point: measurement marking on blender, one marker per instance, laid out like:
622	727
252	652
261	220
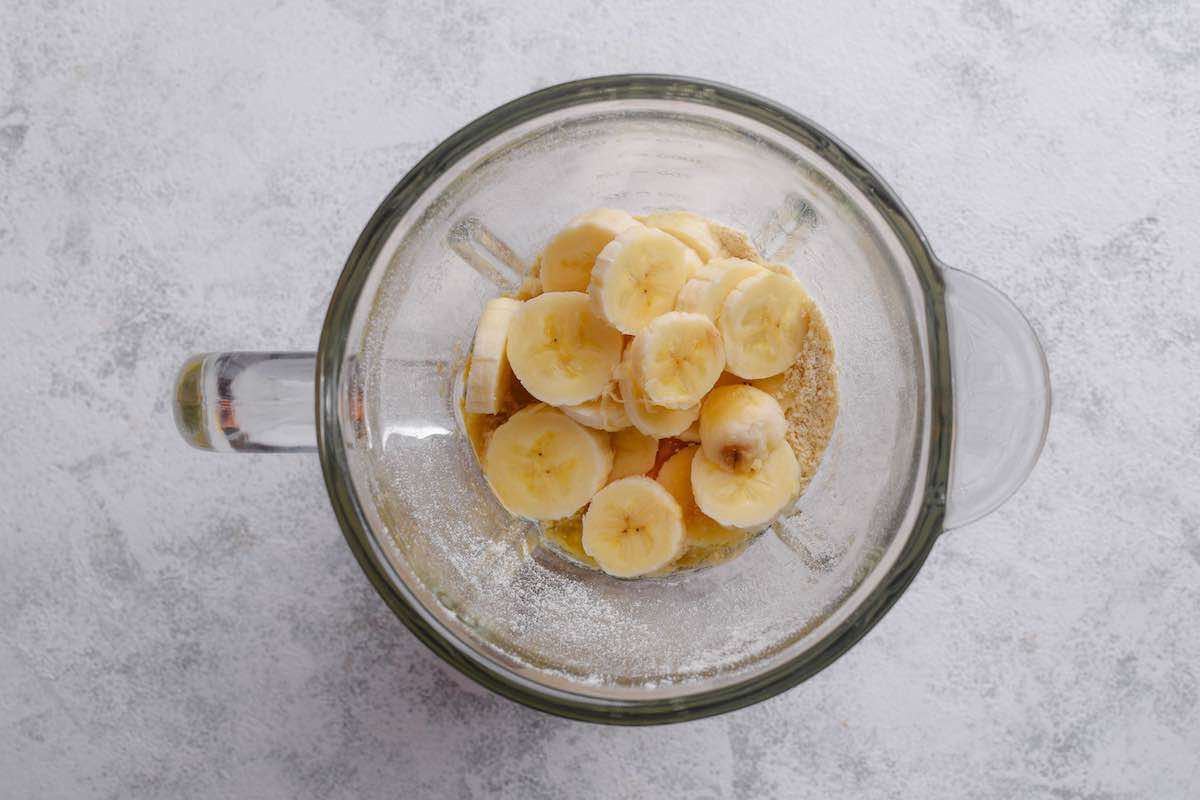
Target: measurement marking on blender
787	228
474	243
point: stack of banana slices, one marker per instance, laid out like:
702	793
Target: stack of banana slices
639	351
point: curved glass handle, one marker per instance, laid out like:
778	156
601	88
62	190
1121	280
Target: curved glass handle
248	402
1001	397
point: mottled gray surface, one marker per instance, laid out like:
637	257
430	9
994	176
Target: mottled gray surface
177	624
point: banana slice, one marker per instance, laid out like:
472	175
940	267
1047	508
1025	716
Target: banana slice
705	292
692	434
638	275
734	243
740	426
652	420
632	527
676	477
490	377
748	499
677	359
633	454
772	384
567	260
691	229
560	350
604	413
763	322
543	465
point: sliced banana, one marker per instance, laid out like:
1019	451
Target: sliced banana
605	413
677	359
705	292
740	426
632	527
748	499
734	243
772	384
703	531
692	434
691	229
543	465
676	476
652	420
763	322
638	276
490	377
561	350
567	260
633	453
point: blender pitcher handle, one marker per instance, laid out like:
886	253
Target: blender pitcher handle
248	402
1001	397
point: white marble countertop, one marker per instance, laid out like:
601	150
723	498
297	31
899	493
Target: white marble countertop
188	177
